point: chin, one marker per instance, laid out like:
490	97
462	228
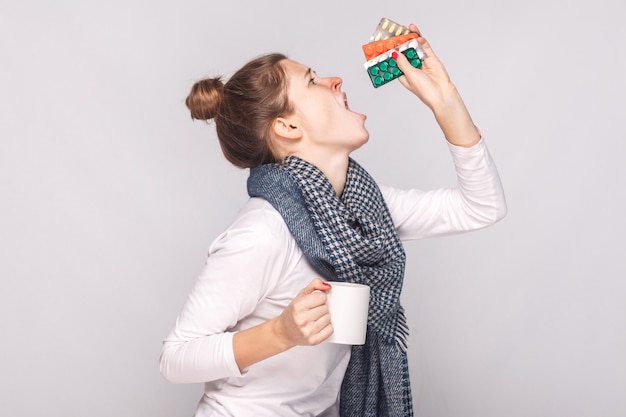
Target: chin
366	136
362	140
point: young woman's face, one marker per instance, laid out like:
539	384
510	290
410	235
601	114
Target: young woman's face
322	111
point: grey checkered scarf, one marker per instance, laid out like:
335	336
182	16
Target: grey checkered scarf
350	238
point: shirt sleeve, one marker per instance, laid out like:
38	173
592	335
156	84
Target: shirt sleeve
476	202
243	264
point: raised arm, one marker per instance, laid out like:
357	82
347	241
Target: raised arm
478	199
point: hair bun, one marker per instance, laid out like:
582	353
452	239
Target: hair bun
205	98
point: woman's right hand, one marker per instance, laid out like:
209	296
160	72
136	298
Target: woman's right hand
306	321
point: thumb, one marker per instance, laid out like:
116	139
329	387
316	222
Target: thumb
403	65
409	62
316	285
401	60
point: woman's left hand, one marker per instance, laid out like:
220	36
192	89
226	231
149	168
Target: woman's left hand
431	82
434	88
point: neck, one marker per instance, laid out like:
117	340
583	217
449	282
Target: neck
335	168
337	175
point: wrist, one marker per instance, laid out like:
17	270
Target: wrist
454	119
449	101
280	334
259	342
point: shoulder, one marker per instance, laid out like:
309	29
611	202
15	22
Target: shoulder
257	226
260	216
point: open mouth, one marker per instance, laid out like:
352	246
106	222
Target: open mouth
347	107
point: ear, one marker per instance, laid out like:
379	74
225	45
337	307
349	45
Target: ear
286	129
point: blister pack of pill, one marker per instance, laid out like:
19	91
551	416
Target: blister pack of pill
388	37
387	29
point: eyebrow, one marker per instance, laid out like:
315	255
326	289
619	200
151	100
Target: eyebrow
308	72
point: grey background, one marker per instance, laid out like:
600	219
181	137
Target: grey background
110	195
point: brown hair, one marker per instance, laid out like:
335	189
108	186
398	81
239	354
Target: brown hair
244	108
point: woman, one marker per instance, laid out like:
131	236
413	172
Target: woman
254	325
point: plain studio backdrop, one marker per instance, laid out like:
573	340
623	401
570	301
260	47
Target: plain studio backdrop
110	195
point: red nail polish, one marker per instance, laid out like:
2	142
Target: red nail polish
326	284
394	55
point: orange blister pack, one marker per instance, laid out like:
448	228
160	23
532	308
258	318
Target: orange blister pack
373	49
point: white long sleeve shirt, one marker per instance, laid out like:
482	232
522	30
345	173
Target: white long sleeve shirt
255	268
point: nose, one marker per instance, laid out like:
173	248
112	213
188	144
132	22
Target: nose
334	83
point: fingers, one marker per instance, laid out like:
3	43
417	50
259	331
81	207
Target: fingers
310	303
410	73
421	40
313	295
319	329
306	319
414	28
402	61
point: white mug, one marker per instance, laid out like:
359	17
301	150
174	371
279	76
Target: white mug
348	305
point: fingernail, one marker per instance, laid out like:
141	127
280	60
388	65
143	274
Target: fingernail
394	55
326	284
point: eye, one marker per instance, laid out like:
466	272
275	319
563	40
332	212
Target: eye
312	81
